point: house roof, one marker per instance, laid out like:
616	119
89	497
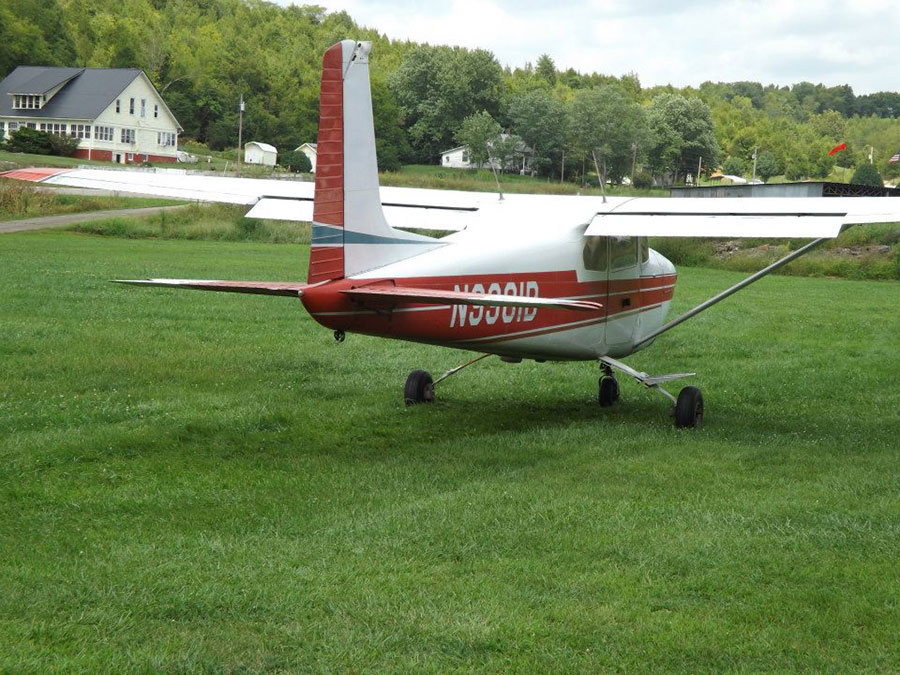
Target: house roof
262	146
314	146
86	94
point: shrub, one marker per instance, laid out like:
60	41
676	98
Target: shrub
296	161
31	141
734	166
867	174
642	180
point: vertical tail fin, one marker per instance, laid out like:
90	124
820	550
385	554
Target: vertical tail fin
350	234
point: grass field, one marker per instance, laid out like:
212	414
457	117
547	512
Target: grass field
206	483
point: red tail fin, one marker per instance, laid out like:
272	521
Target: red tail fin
326	258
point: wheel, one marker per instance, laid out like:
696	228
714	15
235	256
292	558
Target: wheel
419	388
609	391
689	409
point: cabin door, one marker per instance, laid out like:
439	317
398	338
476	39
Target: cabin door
623	296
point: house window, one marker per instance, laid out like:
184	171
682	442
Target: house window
164	138
127	136
118	105
2	129
31	125
13	126
131	107
103	133
145	157
155	110
143	107
81	130
130	156
465	156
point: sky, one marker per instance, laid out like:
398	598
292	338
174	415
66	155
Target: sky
855	42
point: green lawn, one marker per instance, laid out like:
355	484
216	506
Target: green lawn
207	483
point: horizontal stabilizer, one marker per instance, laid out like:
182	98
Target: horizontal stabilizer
289	288
429	296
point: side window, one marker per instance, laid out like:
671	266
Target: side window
645	250
623	252
595	253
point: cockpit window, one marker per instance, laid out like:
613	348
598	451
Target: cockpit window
595	254
645	250
623	252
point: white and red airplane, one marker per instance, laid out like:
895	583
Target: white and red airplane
521	277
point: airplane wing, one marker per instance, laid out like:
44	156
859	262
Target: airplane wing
428	296
288	288
762	218
272	199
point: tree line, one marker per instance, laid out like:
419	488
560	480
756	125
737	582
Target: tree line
204	54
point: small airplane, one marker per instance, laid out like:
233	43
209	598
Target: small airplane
521	277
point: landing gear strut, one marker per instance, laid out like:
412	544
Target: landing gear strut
420	385
687	409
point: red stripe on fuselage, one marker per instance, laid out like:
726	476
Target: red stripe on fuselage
463	324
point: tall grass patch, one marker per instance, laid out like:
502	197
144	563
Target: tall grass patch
212	222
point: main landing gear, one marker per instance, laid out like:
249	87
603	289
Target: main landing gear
687	409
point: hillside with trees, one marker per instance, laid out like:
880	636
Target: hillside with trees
203	54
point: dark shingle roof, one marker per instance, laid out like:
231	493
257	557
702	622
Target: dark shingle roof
88	92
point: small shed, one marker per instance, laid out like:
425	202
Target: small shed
311	151
260	153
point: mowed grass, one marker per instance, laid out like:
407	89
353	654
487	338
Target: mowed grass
197	482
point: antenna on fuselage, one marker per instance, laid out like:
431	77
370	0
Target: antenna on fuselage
496	180
599	177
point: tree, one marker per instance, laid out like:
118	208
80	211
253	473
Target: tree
504	149
436	88
536	117
766	167
867	174
546	69
605	124
477	133
683	133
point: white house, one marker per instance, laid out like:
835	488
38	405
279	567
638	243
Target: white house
260	153
116	113
458	158
311	151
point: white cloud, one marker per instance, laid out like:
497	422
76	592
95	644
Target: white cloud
780	41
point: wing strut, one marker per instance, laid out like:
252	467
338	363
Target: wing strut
731	291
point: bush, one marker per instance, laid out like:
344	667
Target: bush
64	146
37	142
734	166
31	141
296	161
642	180
867	174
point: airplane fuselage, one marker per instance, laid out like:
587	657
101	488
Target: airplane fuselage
633	283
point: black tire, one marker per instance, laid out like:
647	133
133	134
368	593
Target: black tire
419	388
609	391
689	409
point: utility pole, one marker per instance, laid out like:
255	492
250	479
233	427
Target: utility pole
634	147
699	167
755	148
240	134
